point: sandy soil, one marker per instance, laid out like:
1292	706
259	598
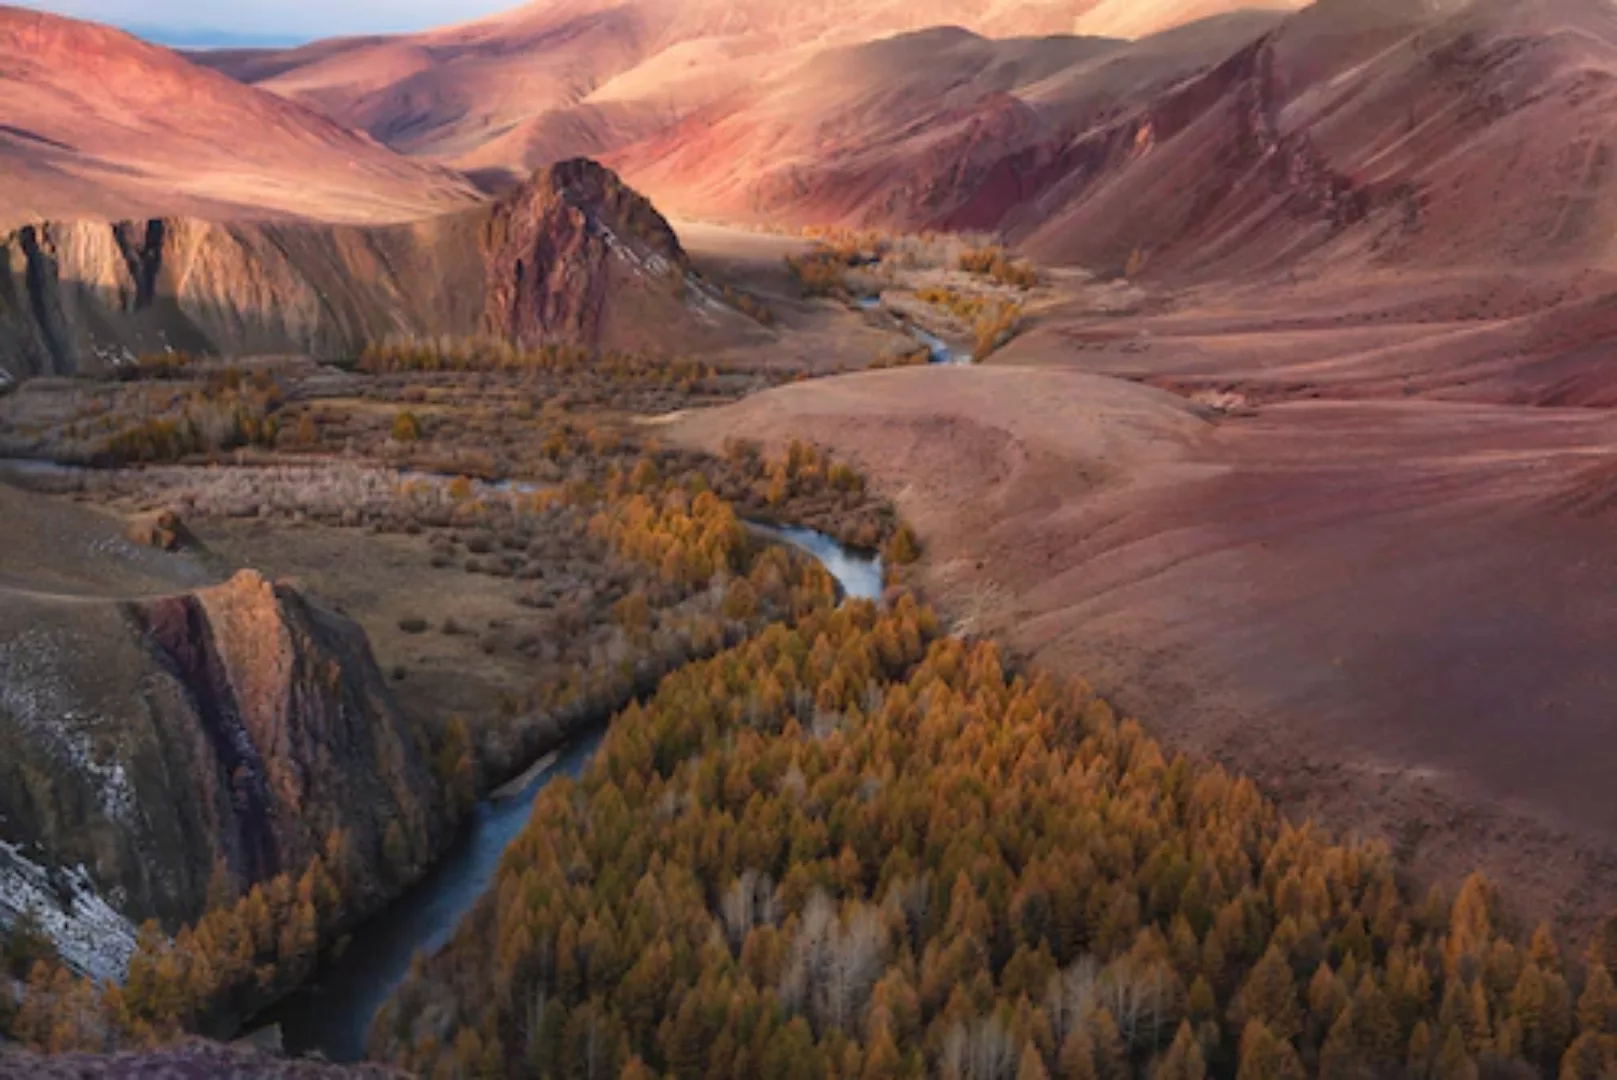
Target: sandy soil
1390	613
1498	336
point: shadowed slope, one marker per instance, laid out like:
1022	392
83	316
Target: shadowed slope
149	735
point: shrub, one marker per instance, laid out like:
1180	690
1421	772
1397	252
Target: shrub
230	410
995	327
914	357
750	306
995	263
163	365
406	428
904	548
818	273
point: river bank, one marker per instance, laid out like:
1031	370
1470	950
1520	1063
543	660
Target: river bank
330	1015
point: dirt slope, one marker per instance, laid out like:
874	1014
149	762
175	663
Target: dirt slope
1360	135
1350	135
1133	19
98	123
1390	613
913	131
1506	335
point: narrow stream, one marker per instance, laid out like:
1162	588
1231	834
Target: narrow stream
331	1014
858	576
938	350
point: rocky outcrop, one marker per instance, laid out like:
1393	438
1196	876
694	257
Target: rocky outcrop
550	247
573	256
149	741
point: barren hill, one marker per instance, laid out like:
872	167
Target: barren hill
1354	135
1358	135
940	127
563	77
1343	135
98	123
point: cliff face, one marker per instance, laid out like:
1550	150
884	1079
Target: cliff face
146	740
555	249
572	256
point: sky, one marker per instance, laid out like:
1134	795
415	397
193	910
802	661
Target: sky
289	19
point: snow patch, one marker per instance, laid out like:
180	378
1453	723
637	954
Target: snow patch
92	937
702	299
35	695
651	264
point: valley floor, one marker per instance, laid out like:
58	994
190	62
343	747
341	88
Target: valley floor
1349	541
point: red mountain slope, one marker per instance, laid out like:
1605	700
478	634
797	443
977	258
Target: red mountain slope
97	123
562	77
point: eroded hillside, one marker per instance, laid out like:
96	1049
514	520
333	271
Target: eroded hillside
572	257
556	78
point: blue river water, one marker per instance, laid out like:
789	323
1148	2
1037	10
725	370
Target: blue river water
331	1014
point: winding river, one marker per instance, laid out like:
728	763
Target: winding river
938	350
331	1013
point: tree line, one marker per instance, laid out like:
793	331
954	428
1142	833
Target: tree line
855	848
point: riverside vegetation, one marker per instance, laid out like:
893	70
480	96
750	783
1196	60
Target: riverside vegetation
835	841
979	290
628	561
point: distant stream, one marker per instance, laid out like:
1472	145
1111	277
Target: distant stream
938	350
331	1013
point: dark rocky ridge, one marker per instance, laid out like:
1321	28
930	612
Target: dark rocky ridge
147	739
573	256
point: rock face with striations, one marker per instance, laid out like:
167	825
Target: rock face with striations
557	249
148	740
573	256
